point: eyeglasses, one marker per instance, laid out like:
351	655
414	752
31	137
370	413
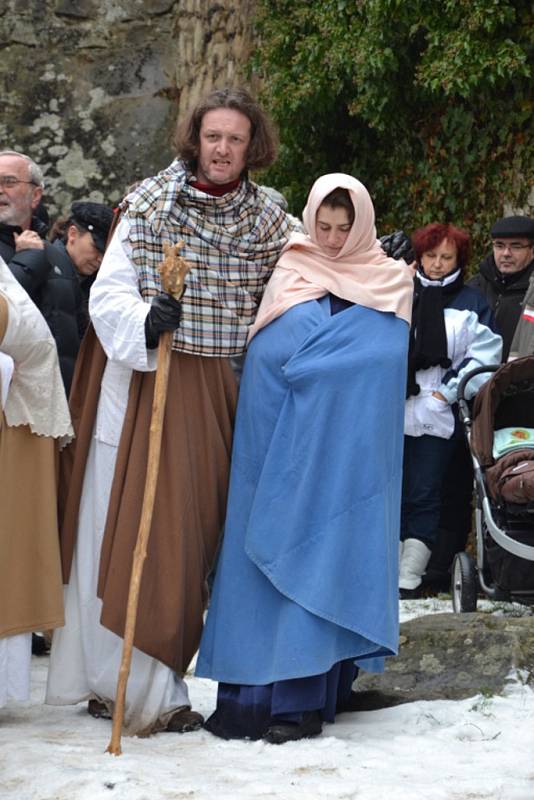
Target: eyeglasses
9	181
514	247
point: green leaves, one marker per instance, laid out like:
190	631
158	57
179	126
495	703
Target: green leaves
429	104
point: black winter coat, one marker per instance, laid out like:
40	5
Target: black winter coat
504	294
61	294
7	239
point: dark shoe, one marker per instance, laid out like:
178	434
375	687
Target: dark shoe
366	700
436	581
40	646
98	710
411	594
282	732
184	721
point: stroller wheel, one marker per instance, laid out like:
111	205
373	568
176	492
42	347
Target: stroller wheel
464	584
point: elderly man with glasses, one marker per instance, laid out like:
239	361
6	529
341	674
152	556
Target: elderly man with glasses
504	276
22	227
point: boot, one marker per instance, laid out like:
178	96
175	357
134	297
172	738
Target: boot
282	732
185	720
415	557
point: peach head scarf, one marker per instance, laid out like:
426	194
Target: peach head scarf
360	272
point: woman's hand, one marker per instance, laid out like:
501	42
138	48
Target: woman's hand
439	396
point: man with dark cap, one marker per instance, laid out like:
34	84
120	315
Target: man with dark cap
59	275
504	275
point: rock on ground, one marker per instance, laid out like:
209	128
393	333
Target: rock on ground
452	656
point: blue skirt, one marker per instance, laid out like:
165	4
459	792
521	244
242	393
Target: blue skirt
246	712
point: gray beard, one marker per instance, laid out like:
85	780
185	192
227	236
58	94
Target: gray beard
8	216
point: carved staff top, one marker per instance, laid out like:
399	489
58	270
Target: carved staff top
173	269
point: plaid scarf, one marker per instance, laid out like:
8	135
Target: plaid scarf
232	242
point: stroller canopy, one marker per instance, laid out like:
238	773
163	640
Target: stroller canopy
507	399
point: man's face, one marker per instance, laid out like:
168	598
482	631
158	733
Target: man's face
17	202
224	140
512	254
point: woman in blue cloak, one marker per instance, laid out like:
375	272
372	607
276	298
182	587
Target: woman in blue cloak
306	589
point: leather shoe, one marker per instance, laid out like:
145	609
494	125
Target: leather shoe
98	709
184	721
282	732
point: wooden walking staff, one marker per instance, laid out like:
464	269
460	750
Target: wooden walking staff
173	270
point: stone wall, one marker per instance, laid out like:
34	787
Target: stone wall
92	89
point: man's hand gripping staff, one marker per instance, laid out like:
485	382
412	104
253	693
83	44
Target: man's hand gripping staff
165	309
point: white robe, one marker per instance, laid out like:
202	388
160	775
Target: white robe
15	651
85	657
15	661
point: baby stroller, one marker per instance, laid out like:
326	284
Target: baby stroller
500	434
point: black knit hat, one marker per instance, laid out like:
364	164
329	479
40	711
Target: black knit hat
509	227
95	218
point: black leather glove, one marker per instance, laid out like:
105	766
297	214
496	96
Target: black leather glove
397	245
164	315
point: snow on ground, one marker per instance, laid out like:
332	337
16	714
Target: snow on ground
476	749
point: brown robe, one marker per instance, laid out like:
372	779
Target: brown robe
190	498
31	594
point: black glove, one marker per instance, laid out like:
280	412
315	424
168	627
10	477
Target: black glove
164	315
397	245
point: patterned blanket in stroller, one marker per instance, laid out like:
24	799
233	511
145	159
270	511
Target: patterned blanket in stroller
511	479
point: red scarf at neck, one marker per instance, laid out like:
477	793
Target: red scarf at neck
216	191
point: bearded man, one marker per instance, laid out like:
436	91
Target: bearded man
232	235
22	217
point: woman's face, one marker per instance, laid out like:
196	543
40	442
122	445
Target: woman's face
81	248
332	226
440	261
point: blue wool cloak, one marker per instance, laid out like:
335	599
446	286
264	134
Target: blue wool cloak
308	573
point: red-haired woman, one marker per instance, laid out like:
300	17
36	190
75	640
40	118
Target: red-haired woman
452	332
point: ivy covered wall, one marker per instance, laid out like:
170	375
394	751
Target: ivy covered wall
429	104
